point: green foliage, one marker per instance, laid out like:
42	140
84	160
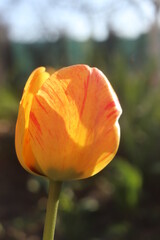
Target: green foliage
140	122
127	180
8	103
118	231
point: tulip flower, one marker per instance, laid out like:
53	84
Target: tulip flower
67	126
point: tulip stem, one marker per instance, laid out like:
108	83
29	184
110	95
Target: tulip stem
52	208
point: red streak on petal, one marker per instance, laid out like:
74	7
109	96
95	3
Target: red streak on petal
31	134
51	93
36	138
35	121
39	142
85	95
110	105
41	106
114	112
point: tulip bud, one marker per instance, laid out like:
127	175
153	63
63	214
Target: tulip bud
67	126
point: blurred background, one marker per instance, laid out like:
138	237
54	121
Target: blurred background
122	38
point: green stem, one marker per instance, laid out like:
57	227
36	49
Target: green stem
52	208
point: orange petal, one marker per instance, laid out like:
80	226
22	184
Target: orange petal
73	125
22	141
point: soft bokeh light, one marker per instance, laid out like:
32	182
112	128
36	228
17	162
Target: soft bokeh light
31	21
130	22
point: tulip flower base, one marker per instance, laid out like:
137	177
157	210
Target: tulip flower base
52	208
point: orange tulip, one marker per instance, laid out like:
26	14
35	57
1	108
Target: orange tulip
67	126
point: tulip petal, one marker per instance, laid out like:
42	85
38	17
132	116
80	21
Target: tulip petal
73	123
22	141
